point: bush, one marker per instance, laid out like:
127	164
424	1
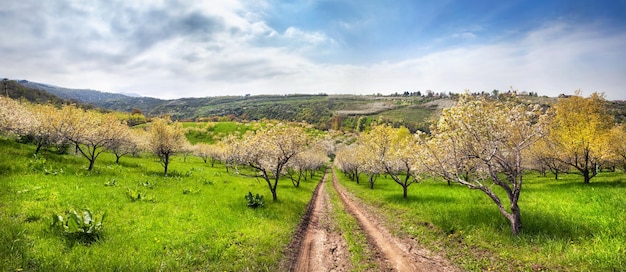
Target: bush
84	228
254	201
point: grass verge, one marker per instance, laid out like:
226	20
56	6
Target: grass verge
567	225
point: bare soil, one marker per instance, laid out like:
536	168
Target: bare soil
318	247
367	109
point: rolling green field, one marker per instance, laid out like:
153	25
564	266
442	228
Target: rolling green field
212	132
196	218
567	225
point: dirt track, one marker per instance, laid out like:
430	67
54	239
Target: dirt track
317	246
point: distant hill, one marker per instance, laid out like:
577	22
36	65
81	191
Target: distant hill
346	112
80	95
14	90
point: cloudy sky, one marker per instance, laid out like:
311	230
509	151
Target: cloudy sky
172	49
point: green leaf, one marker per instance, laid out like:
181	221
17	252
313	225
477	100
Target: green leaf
73	223
87	217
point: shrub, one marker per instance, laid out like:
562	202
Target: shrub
84	228
254	201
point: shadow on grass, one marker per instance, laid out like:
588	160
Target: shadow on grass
619	183
535	224
542	224
419	199
129	164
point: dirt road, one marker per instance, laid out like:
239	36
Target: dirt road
318	246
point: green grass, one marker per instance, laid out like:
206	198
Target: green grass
414	117
567	225
196	218
211	132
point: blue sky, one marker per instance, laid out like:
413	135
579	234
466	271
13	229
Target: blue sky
172	49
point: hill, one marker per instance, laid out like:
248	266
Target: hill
346	112
80	95
14	90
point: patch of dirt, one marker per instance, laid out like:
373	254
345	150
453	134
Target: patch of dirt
400	254
440	103
367	109
317	247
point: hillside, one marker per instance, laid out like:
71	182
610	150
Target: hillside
80	95
346	112
323	111
14	90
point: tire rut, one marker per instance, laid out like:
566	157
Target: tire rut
316	246
400	254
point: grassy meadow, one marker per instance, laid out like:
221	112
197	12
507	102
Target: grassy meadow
196	218
567	225
211	132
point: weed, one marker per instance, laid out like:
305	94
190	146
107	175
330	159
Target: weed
136	195
111	183
188	191
254	201
39	164
84	228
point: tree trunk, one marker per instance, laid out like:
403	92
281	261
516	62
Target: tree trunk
556	175
166	162
91	163
405	189
372	179
515	219
273	188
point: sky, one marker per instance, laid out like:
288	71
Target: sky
172	49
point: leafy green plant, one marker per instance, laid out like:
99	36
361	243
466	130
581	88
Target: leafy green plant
39	164
136	195
84	228
187	191
111	183
254	201
147	184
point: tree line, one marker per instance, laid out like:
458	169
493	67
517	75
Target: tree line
273	151
482	142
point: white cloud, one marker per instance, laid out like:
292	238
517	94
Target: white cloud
213	48
313	38
464	35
